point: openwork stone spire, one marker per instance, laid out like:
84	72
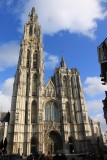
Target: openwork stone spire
63	64
33	17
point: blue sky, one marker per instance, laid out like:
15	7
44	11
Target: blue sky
72	28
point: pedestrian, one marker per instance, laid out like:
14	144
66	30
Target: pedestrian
57	157
31	157
48	156
36	155
42	157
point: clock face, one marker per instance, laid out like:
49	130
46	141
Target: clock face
32	39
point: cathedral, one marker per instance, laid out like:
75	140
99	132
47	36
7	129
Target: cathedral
51	117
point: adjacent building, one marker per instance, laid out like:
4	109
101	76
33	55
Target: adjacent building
4	121
104	136
105	106
102	57
51	117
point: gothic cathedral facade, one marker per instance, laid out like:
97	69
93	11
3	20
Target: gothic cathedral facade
49	117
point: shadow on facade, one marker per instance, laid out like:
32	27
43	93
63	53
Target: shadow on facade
91	147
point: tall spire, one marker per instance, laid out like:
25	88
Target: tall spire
33	17
28	90
63	64
33	9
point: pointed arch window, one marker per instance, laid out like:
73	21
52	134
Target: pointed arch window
52	112
72	86
65	85
20	56
84	117
74	81
26	113
30	31
28	56
78	87
27	84
34	85
75	86
34	112
36	31
75	116
67	108
35	60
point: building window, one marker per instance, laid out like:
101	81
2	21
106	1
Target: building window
34	85
35	60
28	55
34	112
65	86
30	31
52	112
36	31
84	117
67	109
75	86
27	84
26	113
17	116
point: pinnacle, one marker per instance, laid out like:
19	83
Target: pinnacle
32	17
33	9
63	64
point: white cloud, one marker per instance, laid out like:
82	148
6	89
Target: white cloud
5	94
5	102
7	86
100	118
94	106
95	111
93	89
9	54
93	86
50	60
72	15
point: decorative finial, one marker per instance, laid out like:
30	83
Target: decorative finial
33	9
63	64
32	17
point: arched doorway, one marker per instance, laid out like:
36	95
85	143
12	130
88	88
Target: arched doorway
54	142
71	144
34	144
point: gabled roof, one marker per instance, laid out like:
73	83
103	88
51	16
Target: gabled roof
49	82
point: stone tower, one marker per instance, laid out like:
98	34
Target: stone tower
27	90
49	117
